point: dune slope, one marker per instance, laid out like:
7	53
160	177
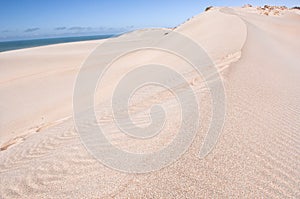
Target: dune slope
257	154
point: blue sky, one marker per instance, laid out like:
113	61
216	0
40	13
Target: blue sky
21	19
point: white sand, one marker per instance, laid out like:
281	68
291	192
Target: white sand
258	152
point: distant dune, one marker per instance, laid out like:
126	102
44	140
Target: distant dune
256	51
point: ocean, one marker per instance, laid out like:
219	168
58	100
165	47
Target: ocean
20	44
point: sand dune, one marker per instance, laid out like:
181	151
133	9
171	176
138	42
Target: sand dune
257	154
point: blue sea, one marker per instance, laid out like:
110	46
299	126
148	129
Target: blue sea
20	44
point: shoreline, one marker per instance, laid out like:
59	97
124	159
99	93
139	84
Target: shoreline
7	46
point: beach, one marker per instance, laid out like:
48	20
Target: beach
257	154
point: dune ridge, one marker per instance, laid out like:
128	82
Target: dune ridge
257	154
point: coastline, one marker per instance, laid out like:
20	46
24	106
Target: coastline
31	43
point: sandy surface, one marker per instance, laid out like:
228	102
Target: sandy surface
258	152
